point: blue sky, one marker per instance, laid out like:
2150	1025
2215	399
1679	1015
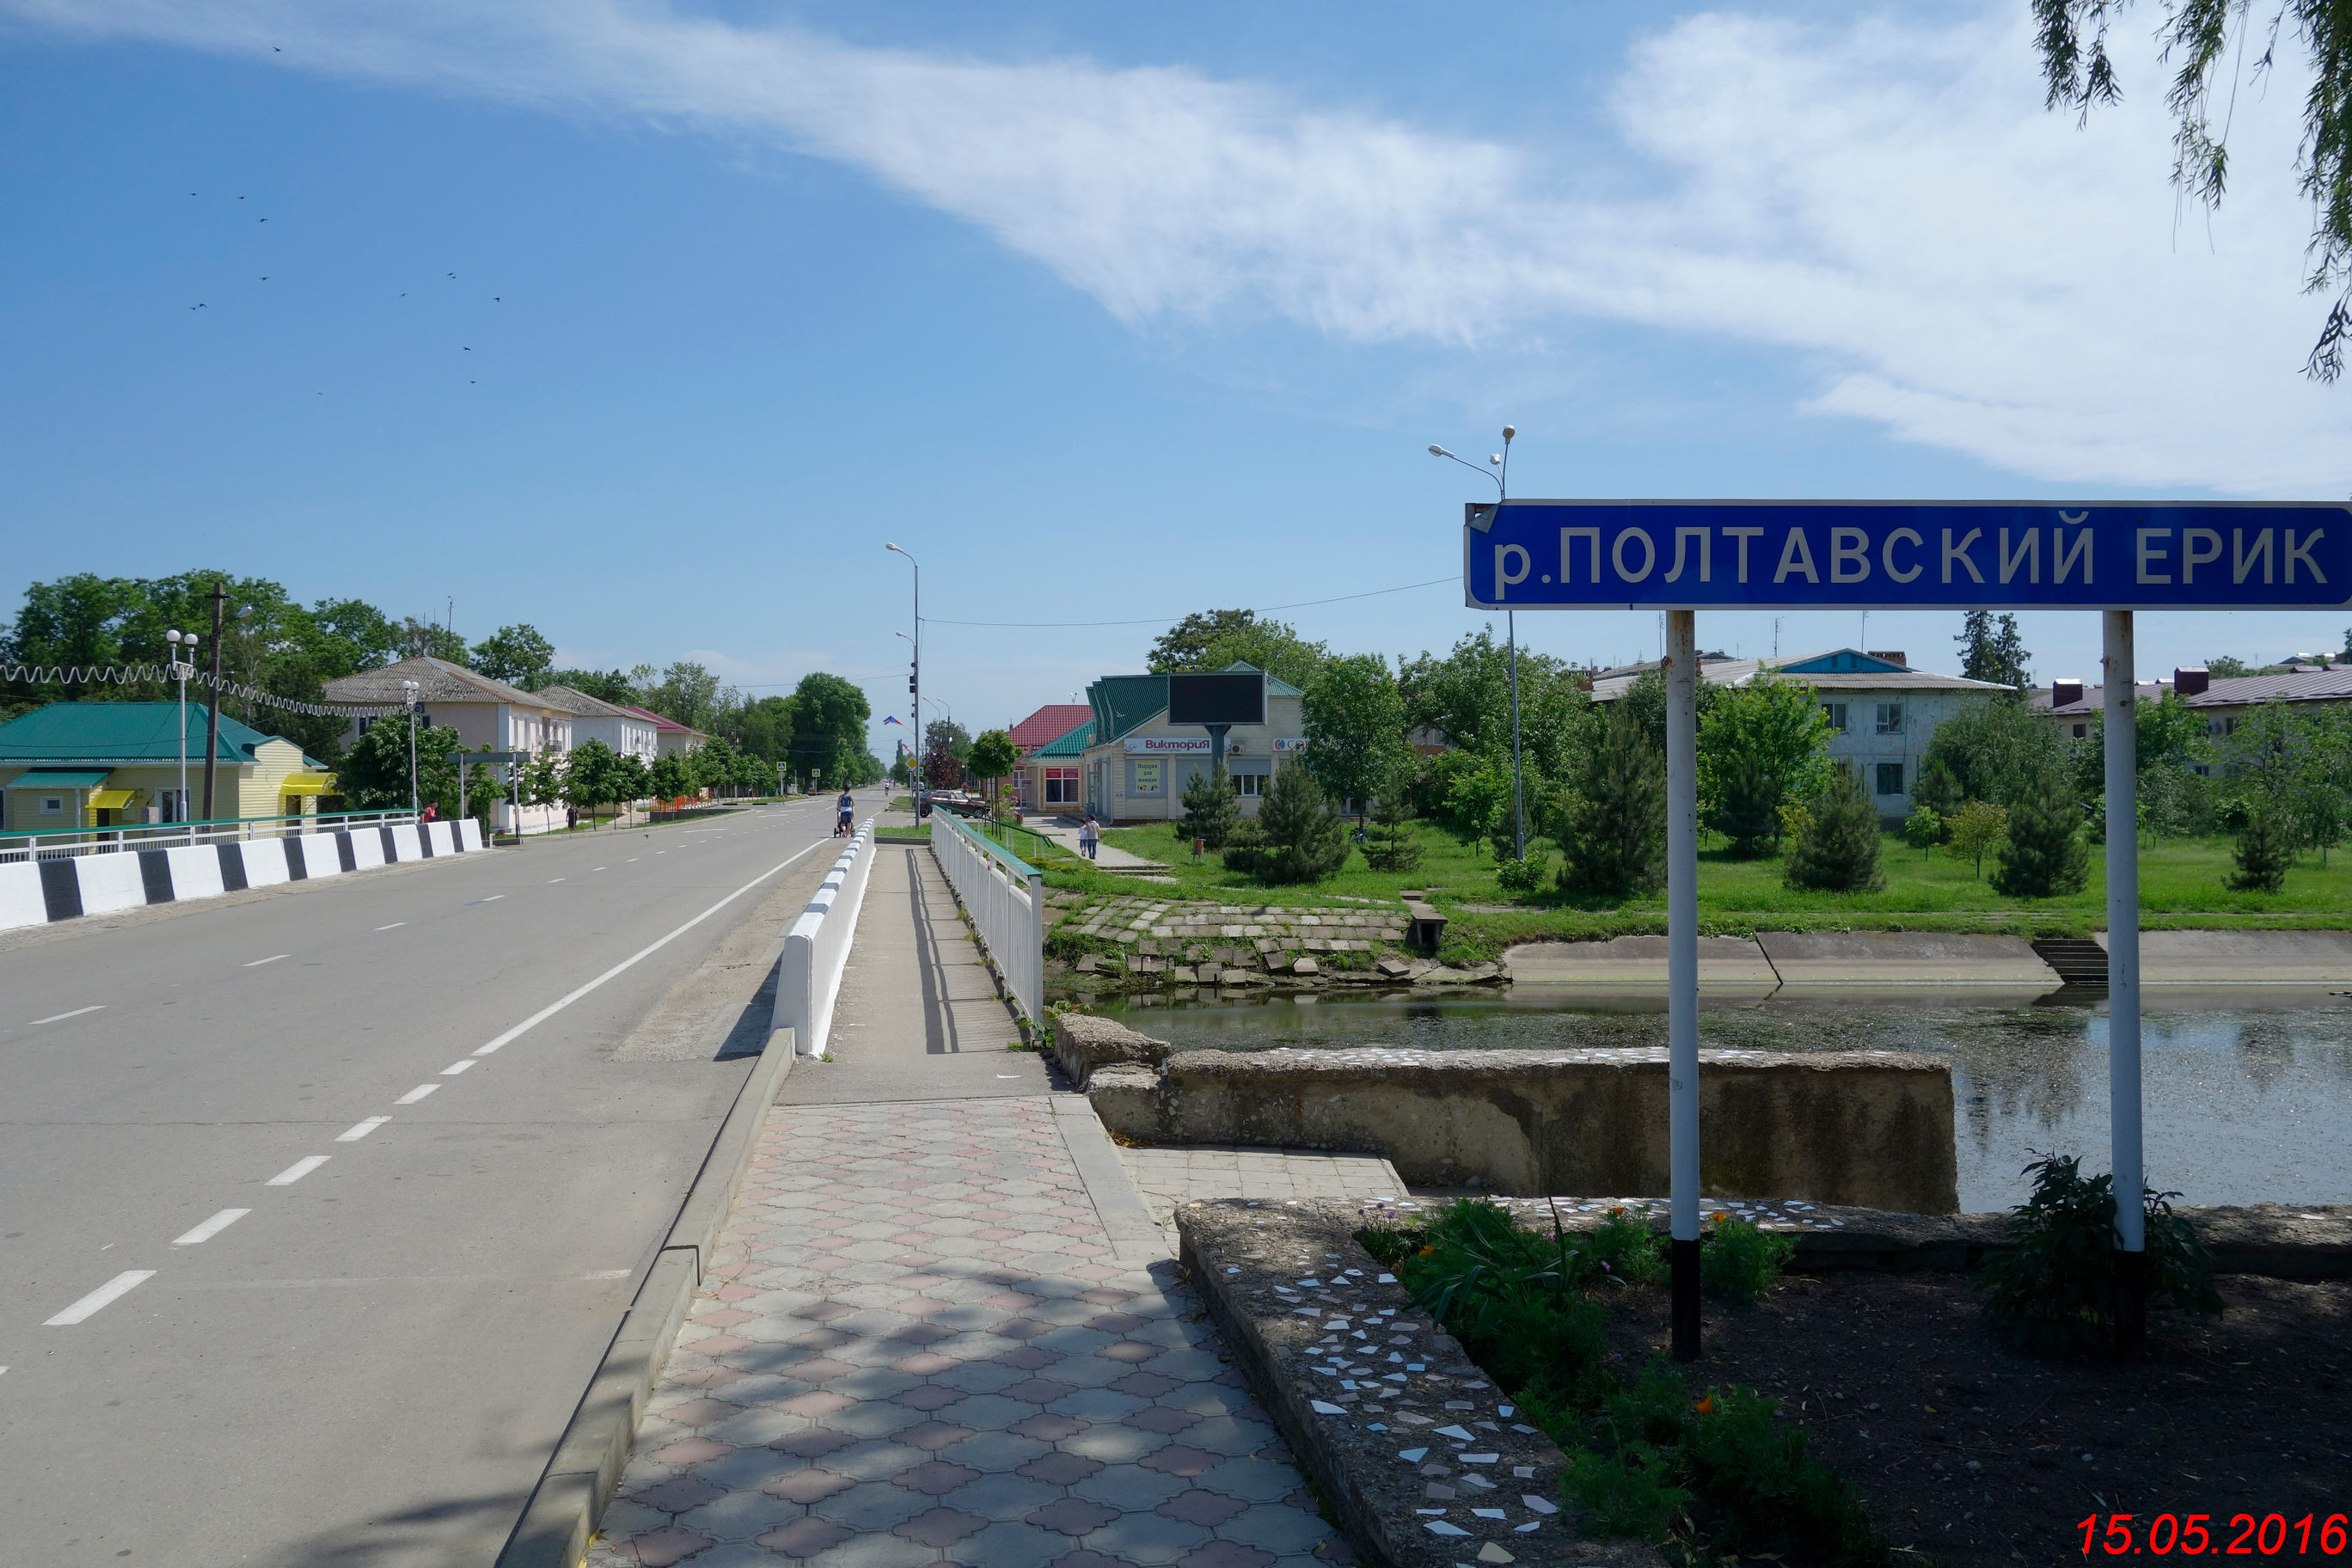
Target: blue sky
1105	314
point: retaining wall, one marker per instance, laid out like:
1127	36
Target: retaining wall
36	892
1871	1128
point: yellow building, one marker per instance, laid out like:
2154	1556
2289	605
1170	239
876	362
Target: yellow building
98	764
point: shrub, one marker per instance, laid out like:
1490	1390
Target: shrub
1838	851
1524	875
2044	853
2265	851
1748	815
1613	829
1775	1500
1210	811
2055	1293
1626	1249
1740	1260
1389	844
1628	1491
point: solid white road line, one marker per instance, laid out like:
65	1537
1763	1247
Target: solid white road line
414	1095
271	959
211	1228
114	1289
297	1171
61	1017
456	1067
354	1134
394	926
560	1003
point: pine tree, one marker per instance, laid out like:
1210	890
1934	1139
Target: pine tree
1838	850
1305	840
1749	811
1210	810
2043	854
2264	852
1613	828
1390	845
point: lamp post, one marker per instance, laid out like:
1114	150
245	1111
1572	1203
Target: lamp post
408	690
915	680
1501	463
181	668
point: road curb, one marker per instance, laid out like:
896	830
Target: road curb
579	1478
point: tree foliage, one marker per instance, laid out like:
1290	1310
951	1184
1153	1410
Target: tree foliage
1183	649
1354	716
993	756
1612	825
1759	744
1837	851
1389	845
1993	751
517	655
1992	648
1974	829
2042	853
374	774
1298	838
2205	40
829	720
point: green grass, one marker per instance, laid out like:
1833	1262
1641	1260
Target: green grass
2182	885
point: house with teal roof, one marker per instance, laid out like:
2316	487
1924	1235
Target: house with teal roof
1135	763
97	765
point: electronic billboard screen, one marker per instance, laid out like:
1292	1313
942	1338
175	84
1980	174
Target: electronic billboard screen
1221	699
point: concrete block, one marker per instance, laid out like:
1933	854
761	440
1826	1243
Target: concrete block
1872	1128
110	882
21	899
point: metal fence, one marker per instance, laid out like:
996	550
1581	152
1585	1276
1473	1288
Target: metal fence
63	842
1005	897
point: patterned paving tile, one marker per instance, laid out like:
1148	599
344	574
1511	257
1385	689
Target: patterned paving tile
916	1347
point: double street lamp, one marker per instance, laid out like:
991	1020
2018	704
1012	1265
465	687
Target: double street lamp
1499	470
182	670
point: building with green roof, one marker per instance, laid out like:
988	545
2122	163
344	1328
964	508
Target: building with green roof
96	764
1136	763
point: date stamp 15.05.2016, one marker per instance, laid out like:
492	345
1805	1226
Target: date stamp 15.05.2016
2312	1537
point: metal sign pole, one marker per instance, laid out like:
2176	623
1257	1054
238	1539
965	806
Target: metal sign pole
2120	708
1682	971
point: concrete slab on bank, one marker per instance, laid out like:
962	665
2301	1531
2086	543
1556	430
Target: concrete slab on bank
1908	957
2243	957
1633	962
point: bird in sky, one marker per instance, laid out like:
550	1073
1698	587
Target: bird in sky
265	277
197	306
453	275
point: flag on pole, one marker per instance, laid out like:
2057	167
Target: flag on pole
890	719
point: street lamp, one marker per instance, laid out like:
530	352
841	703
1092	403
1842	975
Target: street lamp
915	682
1500	463
408	690
181	668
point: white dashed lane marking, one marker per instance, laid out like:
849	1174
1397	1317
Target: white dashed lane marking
354	1133
271	959
456	1067
113	1290
394	926
61	1017
211	1228
414	1095
297	1171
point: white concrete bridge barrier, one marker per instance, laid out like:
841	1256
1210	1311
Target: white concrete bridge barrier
808	975
1005	897
98	875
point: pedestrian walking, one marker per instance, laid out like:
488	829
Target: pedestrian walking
1089	836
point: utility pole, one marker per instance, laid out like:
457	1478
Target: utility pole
211	703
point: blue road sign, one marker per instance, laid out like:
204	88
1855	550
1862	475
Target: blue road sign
1892	556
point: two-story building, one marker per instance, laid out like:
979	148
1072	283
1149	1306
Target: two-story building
489	716
103	764
1137	763
1882	713
670	735
1042	728
629	732
2073	706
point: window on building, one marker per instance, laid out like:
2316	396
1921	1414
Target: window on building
1249	785
1836	711
1890	778
52	804
2082	731
1061	786
1890	719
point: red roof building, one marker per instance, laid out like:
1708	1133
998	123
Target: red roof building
670	735
1048	724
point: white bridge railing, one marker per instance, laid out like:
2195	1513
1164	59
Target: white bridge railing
817	950
1005	897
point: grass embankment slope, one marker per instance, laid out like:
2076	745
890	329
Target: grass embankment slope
2182	885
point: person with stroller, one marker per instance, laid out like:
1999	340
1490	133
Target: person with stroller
847	805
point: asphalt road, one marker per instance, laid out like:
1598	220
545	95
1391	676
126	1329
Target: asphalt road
365	1358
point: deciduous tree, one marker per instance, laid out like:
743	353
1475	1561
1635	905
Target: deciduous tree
1354	717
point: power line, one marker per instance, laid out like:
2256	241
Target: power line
157	674
1164	620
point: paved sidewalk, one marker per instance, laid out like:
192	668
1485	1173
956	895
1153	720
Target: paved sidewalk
917	1345
1107	856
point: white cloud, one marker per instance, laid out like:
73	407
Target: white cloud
1889	200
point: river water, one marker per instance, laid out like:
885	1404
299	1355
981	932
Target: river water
2247	1099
